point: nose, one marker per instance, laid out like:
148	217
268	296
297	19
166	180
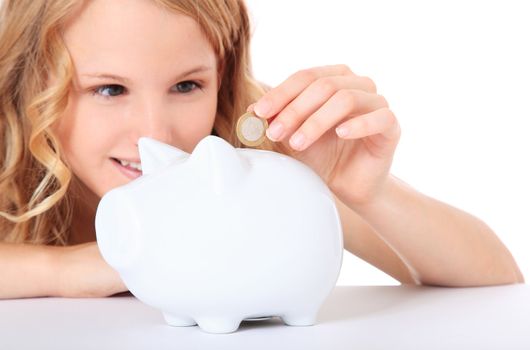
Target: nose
152	120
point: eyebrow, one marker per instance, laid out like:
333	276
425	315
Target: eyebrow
126	80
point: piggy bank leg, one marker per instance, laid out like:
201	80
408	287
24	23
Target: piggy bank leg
300	318
178	321
218	324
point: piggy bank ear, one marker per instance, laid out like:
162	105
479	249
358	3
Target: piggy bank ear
155	155
117	230
218	164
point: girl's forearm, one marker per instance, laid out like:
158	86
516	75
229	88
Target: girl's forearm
76	271
26	271
442	245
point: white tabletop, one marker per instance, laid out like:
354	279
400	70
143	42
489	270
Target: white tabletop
353	317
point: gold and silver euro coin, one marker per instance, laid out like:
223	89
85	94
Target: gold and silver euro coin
251	129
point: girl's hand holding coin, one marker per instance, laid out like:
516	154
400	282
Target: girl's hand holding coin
336	123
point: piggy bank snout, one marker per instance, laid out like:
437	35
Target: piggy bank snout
117	231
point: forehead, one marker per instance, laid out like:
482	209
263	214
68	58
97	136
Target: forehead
139	32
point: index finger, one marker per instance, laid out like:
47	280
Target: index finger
277	98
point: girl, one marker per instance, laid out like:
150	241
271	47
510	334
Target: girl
81	81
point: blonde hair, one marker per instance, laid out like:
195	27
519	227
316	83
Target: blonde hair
35	204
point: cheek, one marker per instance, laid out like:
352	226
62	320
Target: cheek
82	132
87	134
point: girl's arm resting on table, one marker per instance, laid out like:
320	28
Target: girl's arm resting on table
25	271
38	270
363	241
441	245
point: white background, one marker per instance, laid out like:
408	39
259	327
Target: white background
455	73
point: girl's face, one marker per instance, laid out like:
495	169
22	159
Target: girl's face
140	70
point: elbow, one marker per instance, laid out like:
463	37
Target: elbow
519	278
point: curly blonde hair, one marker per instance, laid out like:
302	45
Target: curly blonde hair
36	205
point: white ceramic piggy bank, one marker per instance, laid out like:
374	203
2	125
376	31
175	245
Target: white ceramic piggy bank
223	234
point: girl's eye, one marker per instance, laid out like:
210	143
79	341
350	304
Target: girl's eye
109	90
113	90
186	86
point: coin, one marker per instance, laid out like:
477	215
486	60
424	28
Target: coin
251	129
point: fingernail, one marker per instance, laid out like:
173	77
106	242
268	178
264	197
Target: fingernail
251	107
298	140
342	131
262	108
275	131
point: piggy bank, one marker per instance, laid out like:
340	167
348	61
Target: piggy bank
223	235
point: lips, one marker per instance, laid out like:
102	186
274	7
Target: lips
128	171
